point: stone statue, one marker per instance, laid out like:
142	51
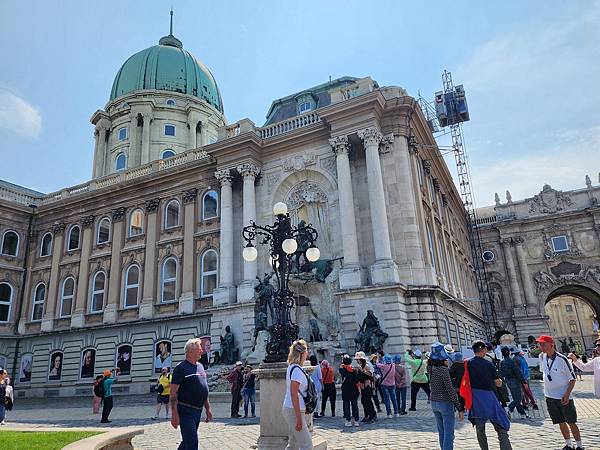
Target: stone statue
264	290
304	240
564	348
571	344
588	182
315	333
497	199
227	349
370	335
508	197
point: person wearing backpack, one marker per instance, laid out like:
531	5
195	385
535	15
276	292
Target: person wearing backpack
298	389
366	384
164	392
97	391
388	385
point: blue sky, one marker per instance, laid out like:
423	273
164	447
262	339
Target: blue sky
530	69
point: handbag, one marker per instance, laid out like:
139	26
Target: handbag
465	388
310	399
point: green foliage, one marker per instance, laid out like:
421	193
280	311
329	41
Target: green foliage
43	440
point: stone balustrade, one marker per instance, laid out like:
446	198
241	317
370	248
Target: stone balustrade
292	124
17	196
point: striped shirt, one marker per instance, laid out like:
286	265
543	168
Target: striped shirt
441	386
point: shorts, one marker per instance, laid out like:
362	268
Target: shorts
560	413
162	399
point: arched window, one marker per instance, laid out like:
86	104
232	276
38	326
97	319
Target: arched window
46	247
66	296
73	242
10	243
120	162
172	214
210	205
168	289
431	247
6	294
39	297
103	233
573	326
208	273
98	284
167	153
136	222
132	286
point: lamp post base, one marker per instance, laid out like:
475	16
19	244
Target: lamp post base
273	428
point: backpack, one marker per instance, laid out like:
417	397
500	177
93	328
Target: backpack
310	399
99	388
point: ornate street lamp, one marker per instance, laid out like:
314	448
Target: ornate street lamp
286	241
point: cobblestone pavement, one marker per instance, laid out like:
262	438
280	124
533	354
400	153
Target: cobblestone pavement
415	431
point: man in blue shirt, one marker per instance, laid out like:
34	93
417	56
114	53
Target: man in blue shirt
189	395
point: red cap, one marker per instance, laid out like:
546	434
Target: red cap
545	338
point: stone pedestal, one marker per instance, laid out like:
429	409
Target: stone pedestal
186	303
224	296
245	292
273	428
110	314
384	272
77	320
350	277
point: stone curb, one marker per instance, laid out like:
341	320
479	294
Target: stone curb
119	439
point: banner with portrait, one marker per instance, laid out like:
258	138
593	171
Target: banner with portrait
3	362
123	359
162	356
206	345
25	367
88	362
55	368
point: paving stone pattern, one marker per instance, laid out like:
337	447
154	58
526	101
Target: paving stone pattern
415	431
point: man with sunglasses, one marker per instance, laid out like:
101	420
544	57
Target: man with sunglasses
559	381
593	365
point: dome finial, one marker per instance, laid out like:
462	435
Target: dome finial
171	28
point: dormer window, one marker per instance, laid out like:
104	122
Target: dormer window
122	133
304	107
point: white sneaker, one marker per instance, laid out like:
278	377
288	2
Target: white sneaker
3	423
389	416
356	423
396	415
348	423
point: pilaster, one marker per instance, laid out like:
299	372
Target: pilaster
225	293
77	318
114	283
186	301
147	304
58	231
249	172
530	298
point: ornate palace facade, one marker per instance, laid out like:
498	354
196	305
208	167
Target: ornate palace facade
123	269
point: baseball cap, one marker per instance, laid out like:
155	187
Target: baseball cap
545	338
239	363
478	346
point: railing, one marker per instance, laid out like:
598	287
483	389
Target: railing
289	125
104	182
486	220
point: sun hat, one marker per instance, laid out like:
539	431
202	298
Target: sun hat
438	352
239	363
418	353
360	355
397	359
456	357
449	349
387	359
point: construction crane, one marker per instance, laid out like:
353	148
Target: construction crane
448	111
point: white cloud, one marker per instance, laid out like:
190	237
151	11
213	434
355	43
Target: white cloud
19	116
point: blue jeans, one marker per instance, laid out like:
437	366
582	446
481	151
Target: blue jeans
389	392
401	395
189	420
2	412
515	390
444	417
249	397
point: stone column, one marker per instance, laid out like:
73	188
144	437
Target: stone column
100	150
515	291
350	275
114	280
249	172
150	263
530	298
186	301
80	306
58	231
133	157
225	293
384	270
146	156
192	122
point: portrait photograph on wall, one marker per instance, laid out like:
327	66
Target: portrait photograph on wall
162	356
88	361
55	370
3	361
123	359
205	343
25	367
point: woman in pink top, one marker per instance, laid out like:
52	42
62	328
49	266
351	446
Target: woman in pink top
402	382
388	384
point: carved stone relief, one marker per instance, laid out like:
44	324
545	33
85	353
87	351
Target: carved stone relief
328	164
566	273
550	201
299	162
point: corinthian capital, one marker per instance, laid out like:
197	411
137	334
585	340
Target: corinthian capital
118	214
87	221
189	196
58	228
370	136
224	176
506	242
339	145
518	240
248	170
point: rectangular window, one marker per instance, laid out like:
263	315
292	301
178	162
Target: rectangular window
169	130
560	244
122	133
304	107
569	308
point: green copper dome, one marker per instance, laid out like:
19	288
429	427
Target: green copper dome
167	67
